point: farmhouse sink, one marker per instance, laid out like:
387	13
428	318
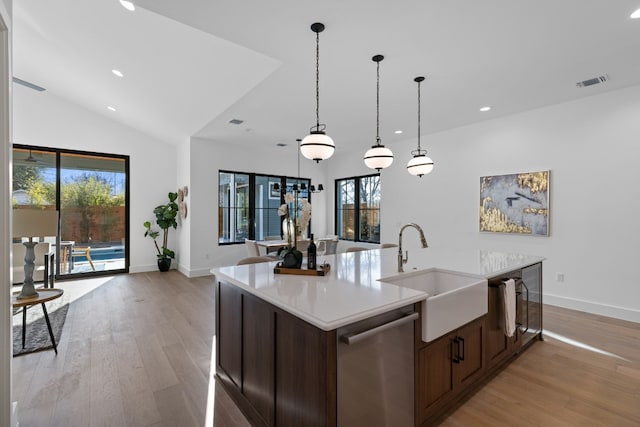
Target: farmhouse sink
453	299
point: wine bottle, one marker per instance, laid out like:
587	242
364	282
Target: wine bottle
311	255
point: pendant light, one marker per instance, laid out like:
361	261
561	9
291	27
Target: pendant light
420	164
303	186
378	156
317	145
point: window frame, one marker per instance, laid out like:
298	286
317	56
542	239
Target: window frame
282	180
59	152
356	209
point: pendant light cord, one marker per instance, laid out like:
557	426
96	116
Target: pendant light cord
378	103
298	141
419	117
318	81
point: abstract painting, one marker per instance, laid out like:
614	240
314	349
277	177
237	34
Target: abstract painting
517	203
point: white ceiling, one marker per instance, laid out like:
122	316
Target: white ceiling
193	65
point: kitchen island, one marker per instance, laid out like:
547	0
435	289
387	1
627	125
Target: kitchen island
278	336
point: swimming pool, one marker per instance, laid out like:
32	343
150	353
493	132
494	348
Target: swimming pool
101	254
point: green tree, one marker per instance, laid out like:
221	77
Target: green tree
92	195
25	176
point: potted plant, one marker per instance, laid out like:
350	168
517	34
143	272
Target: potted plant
165	218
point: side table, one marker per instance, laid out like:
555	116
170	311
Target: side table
44	295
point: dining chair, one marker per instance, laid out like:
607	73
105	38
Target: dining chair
82	251
327	245
252	247
254	260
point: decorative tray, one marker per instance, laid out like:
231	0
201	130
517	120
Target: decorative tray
322	270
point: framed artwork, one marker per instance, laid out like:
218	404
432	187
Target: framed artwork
517	203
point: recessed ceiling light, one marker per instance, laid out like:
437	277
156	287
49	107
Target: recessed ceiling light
635	15
483	109
110	108
117	72
281	144
236	121
398	132
128	5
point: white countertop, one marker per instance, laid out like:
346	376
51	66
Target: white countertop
352	290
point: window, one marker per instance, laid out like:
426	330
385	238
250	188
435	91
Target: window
248	205
360	221
90	192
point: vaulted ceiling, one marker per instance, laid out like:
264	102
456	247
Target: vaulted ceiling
191	66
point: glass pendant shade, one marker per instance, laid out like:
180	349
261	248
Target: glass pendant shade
378	157
420	165
317	146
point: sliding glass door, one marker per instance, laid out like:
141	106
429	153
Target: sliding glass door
90	190
92	213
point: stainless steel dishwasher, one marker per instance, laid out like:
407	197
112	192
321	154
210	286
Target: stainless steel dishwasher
376	370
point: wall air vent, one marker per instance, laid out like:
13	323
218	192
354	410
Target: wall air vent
236	121
593	81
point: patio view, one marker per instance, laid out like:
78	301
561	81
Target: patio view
90	193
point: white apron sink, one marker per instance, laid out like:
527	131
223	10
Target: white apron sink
453	300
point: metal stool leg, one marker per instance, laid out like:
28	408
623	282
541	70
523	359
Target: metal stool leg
53	340
24	324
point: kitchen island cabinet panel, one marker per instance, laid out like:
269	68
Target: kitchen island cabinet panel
229	340
305	374
435	376
499	346
258	356
470	341
449	366
279	369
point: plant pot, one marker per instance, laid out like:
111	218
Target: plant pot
164	264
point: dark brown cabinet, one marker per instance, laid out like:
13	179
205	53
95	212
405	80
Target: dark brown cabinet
499	347
258	356
283	371
447	366
229	308
278	368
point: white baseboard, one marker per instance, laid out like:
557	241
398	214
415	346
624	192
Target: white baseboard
189	273
200	272
14	414
594	308
143	268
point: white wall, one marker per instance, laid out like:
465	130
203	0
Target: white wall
6	335
591	147
42	119
207	158
183	250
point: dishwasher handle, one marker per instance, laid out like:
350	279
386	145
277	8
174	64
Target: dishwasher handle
352	339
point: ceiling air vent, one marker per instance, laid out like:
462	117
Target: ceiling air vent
593	81
236	121
28	84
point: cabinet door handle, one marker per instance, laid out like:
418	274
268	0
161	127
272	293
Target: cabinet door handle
456	358
461	340
526	303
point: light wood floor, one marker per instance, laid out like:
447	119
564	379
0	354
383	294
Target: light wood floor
136	351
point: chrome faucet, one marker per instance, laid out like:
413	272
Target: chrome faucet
403	259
